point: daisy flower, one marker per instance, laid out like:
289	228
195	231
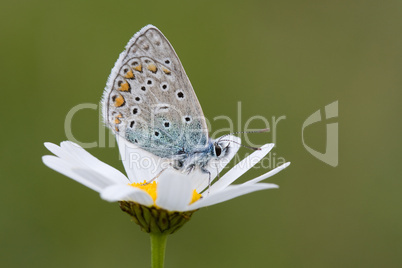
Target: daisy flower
159	198
152	187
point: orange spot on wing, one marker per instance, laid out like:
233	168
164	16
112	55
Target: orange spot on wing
125	87
166	71
138	68
119	101
117	121
129	75
152	68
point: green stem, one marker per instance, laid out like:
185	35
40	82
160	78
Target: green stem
158	245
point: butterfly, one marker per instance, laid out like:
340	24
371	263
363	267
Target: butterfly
150	103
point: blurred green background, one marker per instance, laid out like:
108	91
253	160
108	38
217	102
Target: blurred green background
287	58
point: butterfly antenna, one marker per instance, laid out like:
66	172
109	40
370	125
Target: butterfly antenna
242	132
245	146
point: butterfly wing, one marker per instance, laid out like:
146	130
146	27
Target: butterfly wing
150	101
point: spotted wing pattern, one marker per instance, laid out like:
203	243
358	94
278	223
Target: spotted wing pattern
149	99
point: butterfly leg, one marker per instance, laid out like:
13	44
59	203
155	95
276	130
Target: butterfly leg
217	172
148	182
209	177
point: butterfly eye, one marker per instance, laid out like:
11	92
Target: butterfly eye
218	150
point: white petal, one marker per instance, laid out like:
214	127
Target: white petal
202	180
94	163
230	192
65	168
94	176
174	191
76	156
52	147
124	192
63	154
139	164
199	180
268	174
240	168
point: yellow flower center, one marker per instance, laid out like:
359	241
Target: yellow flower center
150	188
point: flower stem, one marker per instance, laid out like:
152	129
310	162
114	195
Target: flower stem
158	245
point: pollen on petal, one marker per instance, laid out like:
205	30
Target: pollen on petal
196	196
150	188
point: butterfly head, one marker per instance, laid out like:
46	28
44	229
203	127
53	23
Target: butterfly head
224	148
220	149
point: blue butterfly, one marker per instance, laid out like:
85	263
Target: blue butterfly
149	102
